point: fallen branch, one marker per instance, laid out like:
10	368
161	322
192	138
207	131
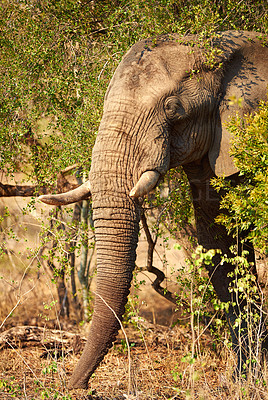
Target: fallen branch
25	336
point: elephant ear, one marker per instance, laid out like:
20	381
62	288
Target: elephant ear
243	84
220	160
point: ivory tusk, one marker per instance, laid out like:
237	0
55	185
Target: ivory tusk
145	184
72	196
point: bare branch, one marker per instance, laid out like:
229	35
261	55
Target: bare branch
160	276
62	185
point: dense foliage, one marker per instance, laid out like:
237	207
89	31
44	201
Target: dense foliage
247	202
57	59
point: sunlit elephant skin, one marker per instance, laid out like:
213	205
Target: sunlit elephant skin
165	106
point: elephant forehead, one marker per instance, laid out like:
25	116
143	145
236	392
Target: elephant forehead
151	70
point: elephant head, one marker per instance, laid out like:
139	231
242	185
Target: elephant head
165	107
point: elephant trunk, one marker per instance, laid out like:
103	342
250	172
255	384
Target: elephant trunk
116	233
121	172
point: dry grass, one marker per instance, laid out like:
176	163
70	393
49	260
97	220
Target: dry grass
157	373
161	368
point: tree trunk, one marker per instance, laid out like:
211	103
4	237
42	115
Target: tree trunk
59	274
24	336
63	296
82	275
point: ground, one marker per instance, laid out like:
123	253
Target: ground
160	365
168	359
160	368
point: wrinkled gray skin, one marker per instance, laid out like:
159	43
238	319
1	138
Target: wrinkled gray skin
159	115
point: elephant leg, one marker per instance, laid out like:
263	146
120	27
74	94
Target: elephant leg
247	337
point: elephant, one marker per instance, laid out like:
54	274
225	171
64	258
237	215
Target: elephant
166	106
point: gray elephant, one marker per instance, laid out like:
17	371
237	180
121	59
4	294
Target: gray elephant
165	106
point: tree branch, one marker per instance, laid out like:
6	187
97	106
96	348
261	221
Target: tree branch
160	276
62	185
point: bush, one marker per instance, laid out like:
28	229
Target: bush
247	203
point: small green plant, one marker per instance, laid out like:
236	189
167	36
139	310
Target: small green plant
49	392
52	368
131	314
11	387
123	347
176	374
196	293
249	322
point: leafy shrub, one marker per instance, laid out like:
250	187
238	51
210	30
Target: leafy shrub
247	203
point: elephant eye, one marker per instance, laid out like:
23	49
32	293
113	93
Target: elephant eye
173	108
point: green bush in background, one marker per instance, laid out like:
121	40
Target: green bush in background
247	203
